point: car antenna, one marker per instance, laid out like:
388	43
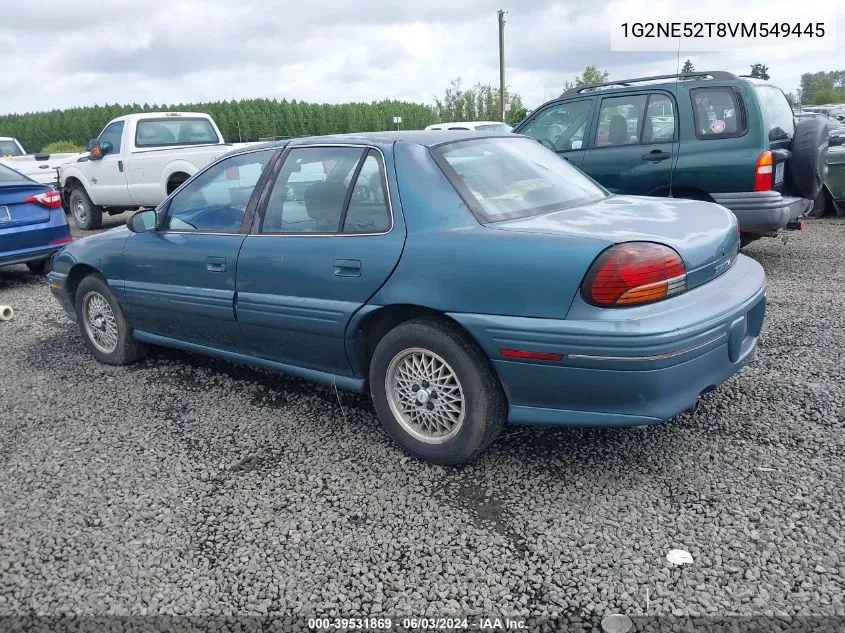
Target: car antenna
673	161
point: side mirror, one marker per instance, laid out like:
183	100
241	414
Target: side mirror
142	221
97	149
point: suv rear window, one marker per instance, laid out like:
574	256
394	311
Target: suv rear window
506	179
174	131
780	121
716	112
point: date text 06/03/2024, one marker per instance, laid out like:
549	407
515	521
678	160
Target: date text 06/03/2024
417	624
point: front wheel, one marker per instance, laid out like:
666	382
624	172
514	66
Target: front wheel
104	327
435	391
86	215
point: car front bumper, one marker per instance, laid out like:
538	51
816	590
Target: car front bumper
763	212
636	366
58	286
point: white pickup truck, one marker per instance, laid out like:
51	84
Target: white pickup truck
137	161
40	167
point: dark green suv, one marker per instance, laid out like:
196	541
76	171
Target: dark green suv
709	136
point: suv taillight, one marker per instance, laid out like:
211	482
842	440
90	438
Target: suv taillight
763	172
634	273
49	199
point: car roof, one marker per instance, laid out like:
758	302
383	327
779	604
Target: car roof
426	138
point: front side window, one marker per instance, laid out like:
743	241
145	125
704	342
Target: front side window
505	179
175	131
216	200
561	127
716	113
311	189
619	120
113	134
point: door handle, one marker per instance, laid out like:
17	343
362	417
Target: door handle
215	264
120	165
655	156
347	267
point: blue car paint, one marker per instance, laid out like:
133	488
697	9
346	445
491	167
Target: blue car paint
28	236
513	283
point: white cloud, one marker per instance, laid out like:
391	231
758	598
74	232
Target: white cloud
57	55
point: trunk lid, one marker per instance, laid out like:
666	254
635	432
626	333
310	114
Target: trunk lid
703	234
15	212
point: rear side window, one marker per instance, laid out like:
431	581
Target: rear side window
716	113
780	121
174	131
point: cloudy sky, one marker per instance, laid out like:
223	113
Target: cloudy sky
81	52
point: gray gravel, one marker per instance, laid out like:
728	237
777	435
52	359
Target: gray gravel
190	486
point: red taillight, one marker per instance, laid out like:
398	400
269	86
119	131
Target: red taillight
49	199
634	273
763	172
62	240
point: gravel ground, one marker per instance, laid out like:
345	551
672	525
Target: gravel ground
190	486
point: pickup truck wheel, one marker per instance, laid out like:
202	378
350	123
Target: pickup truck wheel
105	329
86	215
436	392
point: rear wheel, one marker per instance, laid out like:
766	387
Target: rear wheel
104	327
86	215
436	392
40	267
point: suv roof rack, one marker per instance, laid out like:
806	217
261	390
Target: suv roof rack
709	74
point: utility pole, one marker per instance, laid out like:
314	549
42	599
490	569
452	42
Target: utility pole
501	13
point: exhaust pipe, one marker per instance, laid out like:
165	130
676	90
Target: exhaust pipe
6	313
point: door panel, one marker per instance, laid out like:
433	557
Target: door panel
298	291
173	290
180	278
632	149
107	175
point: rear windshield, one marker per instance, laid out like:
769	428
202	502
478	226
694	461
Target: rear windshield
10	175
494	127
780	119
505	179
10	148
174	131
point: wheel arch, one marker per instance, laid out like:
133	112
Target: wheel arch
75	275
372	327
176	173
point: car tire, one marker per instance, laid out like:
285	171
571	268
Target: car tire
808	164
86	215
819	205
41	267
105	329
459	406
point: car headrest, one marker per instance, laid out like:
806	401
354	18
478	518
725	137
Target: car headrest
324	200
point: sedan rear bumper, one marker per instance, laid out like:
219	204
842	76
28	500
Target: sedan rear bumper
633	370
763	211
28	255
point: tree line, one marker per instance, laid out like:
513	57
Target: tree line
244	120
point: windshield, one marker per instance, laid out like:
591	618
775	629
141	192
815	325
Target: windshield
10	148
10	175
494	127
505	179
778	113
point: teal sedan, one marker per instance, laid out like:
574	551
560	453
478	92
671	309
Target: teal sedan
463	279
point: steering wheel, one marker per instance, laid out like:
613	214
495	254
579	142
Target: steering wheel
362	193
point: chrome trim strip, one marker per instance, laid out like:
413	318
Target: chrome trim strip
653	357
